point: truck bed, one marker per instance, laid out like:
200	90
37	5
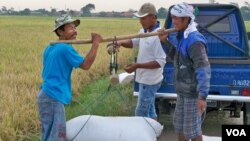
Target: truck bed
227	80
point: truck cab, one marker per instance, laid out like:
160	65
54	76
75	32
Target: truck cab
228	52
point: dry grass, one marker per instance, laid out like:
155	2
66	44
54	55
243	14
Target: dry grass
22	42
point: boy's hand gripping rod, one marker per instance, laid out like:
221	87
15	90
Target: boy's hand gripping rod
117	38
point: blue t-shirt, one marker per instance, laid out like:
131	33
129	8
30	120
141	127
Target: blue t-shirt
58	62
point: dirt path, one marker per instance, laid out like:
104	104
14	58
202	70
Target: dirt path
211	126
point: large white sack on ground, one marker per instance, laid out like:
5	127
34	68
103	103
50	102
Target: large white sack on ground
211	138
101	128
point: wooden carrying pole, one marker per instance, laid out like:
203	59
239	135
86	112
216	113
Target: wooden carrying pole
88	41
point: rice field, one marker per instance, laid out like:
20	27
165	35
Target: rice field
247	24
22	42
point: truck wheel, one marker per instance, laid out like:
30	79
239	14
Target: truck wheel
163	106
246	114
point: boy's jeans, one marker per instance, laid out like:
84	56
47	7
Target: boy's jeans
146	100
52	118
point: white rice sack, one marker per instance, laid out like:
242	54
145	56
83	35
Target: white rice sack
100	128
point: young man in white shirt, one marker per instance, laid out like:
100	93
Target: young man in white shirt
150	61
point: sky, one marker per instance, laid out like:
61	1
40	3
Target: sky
100	5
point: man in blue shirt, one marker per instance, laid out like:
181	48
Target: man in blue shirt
58	63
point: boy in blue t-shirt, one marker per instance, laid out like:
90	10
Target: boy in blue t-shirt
58	62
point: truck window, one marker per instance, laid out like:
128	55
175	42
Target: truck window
221	26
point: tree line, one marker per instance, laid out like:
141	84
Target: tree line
86	11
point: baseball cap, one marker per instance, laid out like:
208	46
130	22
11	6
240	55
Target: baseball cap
65	19
146	9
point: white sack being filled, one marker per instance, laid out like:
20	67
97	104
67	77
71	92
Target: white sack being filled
101	128
125	77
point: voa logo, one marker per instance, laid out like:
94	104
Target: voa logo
236	132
